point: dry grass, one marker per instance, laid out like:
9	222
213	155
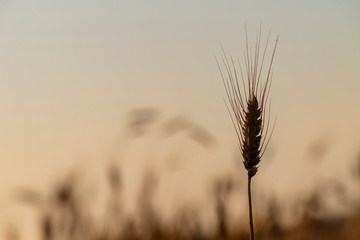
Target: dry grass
66	218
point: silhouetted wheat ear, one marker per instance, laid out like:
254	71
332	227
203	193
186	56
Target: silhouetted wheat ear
251	121
252	136
248	100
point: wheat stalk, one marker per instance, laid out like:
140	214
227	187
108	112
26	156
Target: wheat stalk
248	105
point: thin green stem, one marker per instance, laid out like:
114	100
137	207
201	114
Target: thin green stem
252	236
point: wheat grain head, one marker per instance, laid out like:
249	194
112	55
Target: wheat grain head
248	92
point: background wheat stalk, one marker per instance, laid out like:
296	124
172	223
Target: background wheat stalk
248	104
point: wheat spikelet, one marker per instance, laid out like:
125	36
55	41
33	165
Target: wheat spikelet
248	100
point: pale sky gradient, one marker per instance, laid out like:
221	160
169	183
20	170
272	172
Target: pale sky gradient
70	70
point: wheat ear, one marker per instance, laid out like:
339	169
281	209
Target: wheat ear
248	105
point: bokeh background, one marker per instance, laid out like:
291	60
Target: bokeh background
119	104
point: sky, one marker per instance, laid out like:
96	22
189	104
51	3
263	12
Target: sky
71	70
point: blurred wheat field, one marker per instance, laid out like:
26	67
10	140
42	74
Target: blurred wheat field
72	210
